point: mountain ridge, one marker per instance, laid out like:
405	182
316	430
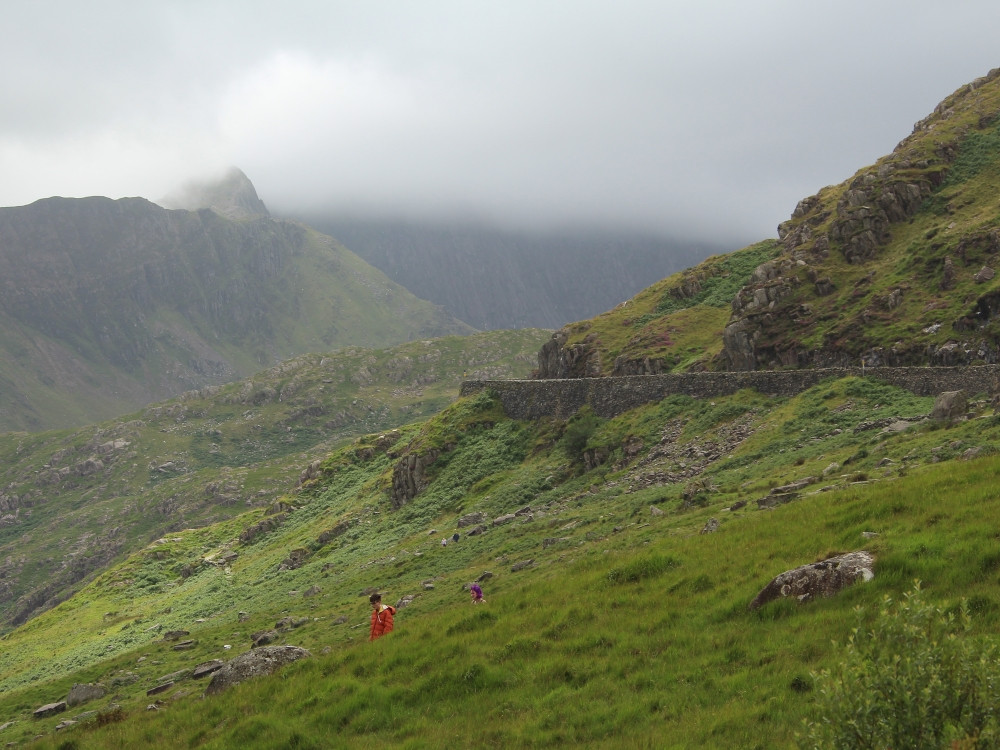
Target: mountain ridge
106	305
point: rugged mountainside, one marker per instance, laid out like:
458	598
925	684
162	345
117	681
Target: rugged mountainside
690	511
104	490
494	279
896	266
106	305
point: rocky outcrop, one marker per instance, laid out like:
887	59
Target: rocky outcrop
824	578
409	476
262	527
255	663
855	220
556	360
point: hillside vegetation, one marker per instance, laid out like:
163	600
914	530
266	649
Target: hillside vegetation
606	624
102	491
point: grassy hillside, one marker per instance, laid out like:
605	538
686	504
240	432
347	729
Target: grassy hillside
674	325
626	628
104	490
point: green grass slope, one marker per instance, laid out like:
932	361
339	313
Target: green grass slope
73	501
606	624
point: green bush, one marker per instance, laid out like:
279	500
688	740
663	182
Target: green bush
917	679
579	429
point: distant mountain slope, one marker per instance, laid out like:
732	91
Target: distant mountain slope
106	305
494	279
896	266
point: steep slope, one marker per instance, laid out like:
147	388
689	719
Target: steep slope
896	266
493	278
604	620
73	501
107	305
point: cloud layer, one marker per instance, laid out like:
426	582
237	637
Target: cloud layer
709	119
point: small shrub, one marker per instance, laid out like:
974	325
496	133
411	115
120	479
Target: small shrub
916	679
111	716
579	429
641	568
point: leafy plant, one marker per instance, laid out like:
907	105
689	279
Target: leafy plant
916	679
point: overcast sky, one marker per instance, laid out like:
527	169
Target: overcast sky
702	118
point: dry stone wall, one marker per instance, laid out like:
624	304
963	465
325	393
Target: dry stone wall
530	399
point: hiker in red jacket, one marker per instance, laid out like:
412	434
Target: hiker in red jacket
381	617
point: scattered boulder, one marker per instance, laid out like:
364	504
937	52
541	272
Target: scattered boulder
950	406
175	635
256	663
312	591
84	693
471	519
206	668
655	511
824	578
506	518
184	645
552	541
296	558
290	623
408	599
480	529
521	565
710	527
161	688
263	637
985	274
49	709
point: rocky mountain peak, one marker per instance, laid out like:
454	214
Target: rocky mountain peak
232	195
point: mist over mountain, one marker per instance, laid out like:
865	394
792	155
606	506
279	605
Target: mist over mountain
495	278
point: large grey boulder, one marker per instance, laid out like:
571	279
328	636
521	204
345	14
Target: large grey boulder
256	663
949	406
824	578
84	693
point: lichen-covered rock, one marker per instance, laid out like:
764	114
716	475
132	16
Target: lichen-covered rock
256	663
949	406
824	578
83	693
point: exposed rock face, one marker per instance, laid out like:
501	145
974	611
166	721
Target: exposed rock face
260	661
556	360
854	219
823	578
409	476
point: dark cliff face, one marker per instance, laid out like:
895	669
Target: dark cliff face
90	272
106	305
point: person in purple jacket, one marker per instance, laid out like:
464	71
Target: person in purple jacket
477	594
